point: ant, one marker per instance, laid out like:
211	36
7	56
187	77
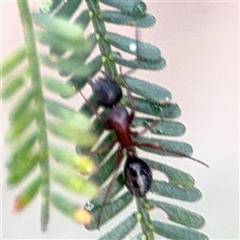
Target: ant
137	173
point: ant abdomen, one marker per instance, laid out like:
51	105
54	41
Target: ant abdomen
106	92
138	176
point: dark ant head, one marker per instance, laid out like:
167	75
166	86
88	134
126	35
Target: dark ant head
138	176
106	92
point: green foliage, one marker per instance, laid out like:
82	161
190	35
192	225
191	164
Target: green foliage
71	55
35	119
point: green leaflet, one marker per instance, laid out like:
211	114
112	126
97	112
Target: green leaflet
85	109
64	9
72	181
148	90
21	150
122	19
71	133
93	67
166	147
23	165
13	84
13	60
179	214
62	44
121	230
72	126
176	232
102	150
97	128
110	210
82	57
134	8
83	19
21	106
138	236
164	110
49	6
63	204
68	8
117	186
105	171
163	127
176	177
70	208
97	125
105	146
20	125
27	194
147	51
68	66
141	63
83	164
66	90
59	27
165	189
68	114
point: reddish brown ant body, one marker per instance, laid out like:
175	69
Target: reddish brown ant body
138	176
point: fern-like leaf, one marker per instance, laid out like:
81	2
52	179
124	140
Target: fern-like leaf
35	119
153	100
76	66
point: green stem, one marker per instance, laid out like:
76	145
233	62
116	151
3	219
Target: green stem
101	35
111	70
30	42
145	221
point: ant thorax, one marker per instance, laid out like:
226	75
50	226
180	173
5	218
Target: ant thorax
119	121
118	118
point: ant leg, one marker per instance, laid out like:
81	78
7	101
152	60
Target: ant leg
102	149
137	53
153	123
92	108
151	146
147	128
137	45
117	164
132	114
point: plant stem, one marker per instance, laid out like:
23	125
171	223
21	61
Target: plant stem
145	221
111	70
30	42
101	35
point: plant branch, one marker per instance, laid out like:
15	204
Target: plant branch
145	220
36	84
110	68
101	35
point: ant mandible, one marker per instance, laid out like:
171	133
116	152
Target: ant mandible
137	173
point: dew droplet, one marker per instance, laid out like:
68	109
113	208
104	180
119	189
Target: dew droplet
89	206
133	47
